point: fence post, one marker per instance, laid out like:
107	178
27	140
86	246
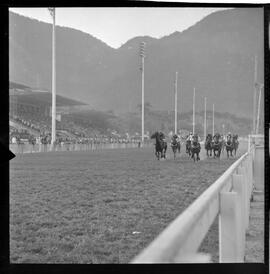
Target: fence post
243	171
249	178
239	188
229	229
251	174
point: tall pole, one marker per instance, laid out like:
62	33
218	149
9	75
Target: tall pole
142	53
52	12
254	94
193	123
213	130
175	104
258	113
204	118
179	108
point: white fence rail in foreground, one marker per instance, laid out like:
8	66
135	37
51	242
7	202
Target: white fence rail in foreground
229	199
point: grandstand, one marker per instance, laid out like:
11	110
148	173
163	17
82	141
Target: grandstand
30	111
30	119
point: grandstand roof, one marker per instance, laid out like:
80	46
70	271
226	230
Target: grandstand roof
45	98
13	85
28	95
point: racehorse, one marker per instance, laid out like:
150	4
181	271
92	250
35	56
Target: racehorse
195	148
208	144
229	146
176	146
216	145
161	146
235	143
223	144
188	147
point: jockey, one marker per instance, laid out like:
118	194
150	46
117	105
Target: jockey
209	136
216	135
175	138
236	138
190	137
195	140
162	136
229	135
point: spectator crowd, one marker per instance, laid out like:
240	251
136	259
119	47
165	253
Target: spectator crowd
37	130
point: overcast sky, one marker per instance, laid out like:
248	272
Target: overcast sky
115	26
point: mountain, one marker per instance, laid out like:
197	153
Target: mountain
104	122
216	56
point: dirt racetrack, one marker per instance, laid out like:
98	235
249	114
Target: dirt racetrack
101	206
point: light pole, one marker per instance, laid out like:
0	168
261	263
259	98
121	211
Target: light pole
52	12
193	123
254	94
205	118
175	104
258	113
213	130
142	54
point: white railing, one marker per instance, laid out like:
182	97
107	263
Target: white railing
29	148
229	199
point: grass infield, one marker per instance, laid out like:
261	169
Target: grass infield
101	206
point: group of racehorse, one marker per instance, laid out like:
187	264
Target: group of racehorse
213	145
217	143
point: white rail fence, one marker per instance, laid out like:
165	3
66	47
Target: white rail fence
28	148
229	199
